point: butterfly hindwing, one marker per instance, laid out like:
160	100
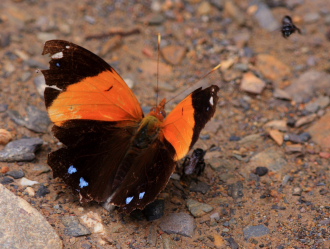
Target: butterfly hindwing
183	125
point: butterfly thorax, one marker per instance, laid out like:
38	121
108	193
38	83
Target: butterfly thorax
150	126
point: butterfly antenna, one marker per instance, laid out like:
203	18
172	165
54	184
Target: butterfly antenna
203	77
158	52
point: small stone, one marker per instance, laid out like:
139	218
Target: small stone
41	169
293	148
204	8
252	84
5	136
42	191
311	17
286	179
219	241
305	120
178	223
26	182
297	191
234	138
255	231
22	226
232	243
320	131
3	108
281	94
265	17
36	120
155	19
93	221
44	36
277	124
277	136
261	171
198	209
16	174
74	227
234	12
20	150
173	54
235	190
199	186
215	216
302	90
4	170
6	180
325	155
30	191
272	68
154	210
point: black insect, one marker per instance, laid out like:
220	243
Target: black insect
288	28
195	163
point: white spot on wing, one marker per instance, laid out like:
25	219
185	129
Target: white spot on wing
72	170
141	195
211	101
82	182
129	199
55	87
58	55
67	47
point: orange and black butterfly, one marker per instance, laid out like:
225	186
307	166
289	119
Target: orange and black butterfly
112	151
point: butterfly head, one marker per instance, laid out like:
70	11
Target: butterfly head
159	111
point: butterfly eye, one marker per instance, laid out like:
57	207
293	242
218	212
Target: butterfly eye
58	64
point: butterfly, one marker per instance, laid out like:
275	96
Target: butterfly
112	152
288	28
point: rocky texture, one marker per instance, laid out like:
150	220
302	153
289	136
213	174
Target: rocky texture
22	226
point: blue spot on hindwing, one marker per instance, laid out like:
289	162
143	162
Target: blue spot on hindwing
82	182
141	195
129	199
72	170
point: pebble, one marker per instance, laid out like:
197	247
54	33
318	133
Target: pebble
5	136
26	182
319	103
20	150
294	148
265	17
232	243
30	191
235	190
178	223
302	90
305	120
3	107
252	84
250	140
42	191
286	179
233	11
93	221
255	231
45	36
204	8
320	131
16	174
155	19
6	180
272	68
41	169
22	226
198	209
297	191
36	120
277	124
4	169
311	17
73	227
219	241
199	186
154	210
174	54
272	158
303	137
277	136
261	171
281	94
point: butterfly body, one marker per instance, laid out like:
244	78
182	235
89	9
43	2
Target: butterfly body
112	151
